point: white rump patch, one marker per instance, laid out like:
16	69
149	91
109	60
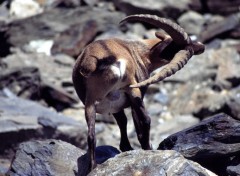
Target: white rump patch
119	68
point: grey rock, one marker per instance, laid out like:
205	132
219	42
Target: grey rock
224	7
225	25
51	23
22	120
39	77
103	153
49	157
72	40
169	8
24	82
19	10
228	61
204	86
192	22
67	3
4	166
211	142
233	103
91	2
234	168
4	44
139	162
198	69
51	71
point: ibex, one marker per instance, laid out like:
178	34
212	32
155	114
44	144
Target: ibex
111	75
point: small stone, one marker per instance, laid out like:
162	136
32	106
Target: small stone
22	9
192	22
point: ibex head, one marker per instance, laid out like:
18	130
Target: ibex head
180	38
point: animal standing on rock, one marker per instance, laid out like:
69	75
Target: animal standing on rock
113	74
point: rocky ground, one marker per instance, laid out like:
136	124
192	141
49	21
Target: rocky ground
39	109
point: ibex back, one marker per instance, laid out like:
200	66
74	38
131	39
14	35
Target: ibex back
113	74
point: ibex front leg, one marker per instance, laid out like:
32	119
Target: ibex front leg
140	117
121	119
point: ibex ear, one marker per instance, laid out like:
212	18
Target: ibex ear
161	35
166	40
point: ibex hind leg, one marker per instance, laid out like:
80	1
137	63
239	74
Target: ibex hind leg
90	115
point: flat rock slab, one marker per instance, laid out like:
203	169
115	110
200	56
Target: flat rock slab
22	120
50	157
139	162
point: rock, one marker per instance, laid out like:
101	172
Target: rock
39	77
72	40
39	46
115	33
211	143
67	3
224	7
4	44
204	85
23	120
139	162
56	97
233	103
49	157
4	12
213	30
206	102
103	153
20	9
169	8
91	2
228	61
199	69
234	168
51	71
55	157
4	166
192	22
24	82
48	25
166	124
49	4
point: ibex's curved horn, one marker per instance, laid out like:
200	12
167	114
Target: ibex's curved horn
177	33
177	63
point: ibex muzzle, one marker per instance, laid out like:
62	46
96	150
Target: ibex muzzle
113	74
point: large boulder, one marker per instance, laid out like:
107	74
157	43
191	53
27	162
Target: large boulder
213	143
139	162
49	157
